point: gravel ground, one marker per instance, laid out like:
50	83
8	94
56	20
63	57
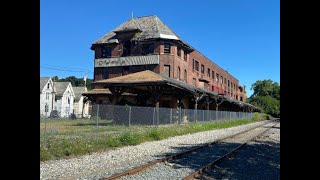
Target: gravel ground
187	164
104	164
259	159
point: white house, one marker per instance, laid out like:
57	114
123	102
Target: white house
80	109
46	96
64	98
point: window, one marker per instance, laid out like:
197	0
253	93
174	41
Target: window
46	108
166	70
240	98
213	75
193	64
217	77
225	81
125	70
185	75
228	83
105	73
126	48
221	79
179	51
106	52
202	68
194	81
178	73
197	66
147	48
185	55
48	85
68	100
209	72
167	48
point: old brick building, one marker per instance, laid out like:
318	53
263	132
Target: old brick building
146	43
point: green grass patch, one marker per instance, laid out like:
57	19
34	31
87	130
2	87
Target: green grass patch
70	138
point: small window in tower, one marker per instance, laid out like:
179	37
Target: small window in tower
179	51
167	48
185	55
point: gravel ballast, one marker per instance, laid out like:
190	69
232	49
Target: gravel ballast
104	164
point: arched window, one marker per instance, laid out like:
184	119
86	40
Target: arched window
185	75
178	73
48	86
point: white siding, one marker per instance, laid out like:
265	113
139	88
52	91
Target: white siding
46	97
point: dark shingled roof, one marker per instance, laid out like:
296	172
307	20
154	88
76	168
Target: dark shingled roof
148	27
60	87
78	92
43	82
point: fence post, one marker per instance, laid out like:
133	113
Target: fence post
170	115
97	115
154	110
179	116
129	115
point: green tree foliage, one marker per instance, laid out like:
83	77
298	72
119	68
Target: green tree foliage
75	81
266	95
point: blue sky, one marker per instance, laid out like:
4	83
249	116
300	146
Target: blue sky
241	36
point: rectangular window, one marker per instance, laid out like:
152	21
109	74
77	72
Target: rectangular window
106	52
197	66
166	70
221	79
125	70
202	68
185	55
213	75
193	64
225	81
209	72
167	48
147	49
228	83
179	51
217	77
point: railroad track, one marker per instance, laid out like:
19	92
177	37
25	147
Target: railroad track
203	170
196	151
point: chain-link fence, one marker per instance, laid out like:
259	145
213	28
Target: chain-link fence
112	120
136	115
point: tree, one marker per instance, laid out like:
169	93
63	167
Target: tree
75	81
266	95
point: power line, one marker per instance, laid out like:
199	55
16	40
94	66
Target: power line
61	67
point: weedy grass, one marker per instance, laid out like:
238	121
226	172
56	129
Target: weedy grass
70	138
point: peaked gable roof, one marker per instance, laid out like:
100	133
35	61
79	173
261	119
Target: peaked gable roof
60	87
78	92
43	82
149	27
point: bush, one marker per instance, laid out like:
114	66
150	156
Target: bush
54	114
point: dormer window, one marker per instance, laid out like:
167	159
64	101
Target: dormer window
106	52
147	49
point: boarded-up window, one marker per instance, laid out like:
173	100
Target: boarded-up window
166	70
